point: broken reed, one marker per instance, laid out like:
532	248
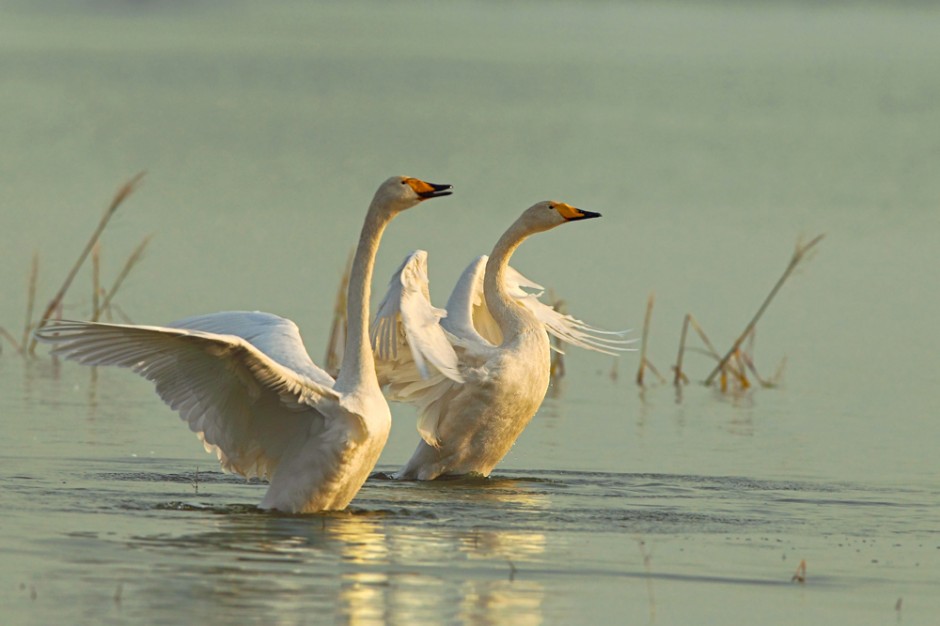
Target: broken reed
738	360
132	260
798	255
20	345
55	303
645	363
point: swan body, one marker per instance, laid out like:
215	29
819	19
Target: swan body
479	370
245	384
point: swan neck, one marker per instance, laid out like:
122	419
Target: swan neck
358	366
511	317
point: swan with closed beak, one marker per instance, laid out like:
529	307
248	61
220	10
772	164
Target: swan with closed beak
244	383
476	384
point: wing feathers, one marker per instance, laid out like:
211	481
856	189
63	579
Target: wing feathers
407	329
245	405
408	333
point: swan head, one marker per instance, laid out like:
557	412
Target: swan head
550	213
403	192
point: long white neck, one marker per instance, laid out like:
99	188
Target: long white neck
511	316
358	365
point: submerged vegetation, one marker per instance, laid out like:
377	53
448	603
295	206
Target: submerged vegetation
103	305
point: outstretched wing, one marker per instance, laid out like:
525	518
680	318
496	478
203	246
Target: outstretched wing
242	381
275	336
407	332
468	316
567	328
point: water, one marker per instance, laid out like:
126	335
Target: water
710	135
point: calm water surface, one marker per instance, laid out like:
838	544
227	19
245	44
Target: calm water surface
710	135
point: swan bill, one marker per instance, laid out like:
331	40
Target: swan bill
571	213
429	190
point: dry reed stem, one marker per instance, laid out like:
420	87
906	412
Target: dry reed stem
701	334
13	342
748	357
798	255
650	301
748	360
740	372
114	310
336	344
116	202
129	264
95	281
679	377
690	321
652	368
30	300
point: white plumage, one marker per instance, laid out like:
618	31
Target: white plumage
488	352
245	384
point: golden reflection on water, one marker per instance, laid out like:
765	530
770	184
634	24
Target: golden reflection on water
391	573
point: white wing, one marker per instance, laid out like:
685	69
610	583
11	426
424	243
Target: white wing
242	381
407	333
275	336
561	325
468	316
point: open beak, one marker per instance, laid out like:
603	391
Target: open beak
429	190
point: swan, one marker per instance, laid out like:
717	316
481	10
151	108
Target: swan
247	387
478	370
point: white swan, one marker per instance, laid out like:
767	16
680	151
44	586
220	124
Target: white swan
247	387
489	357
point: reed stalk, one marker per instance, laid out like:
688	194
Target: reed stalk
30	299
129	264
95	281
678	376
114	308
56	301
798	255
13	342
650	301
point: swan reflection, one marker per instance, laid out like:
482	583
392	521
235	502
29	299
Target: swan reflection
464	552
406	573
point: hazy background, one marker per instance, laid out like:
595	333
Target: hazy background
711	135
